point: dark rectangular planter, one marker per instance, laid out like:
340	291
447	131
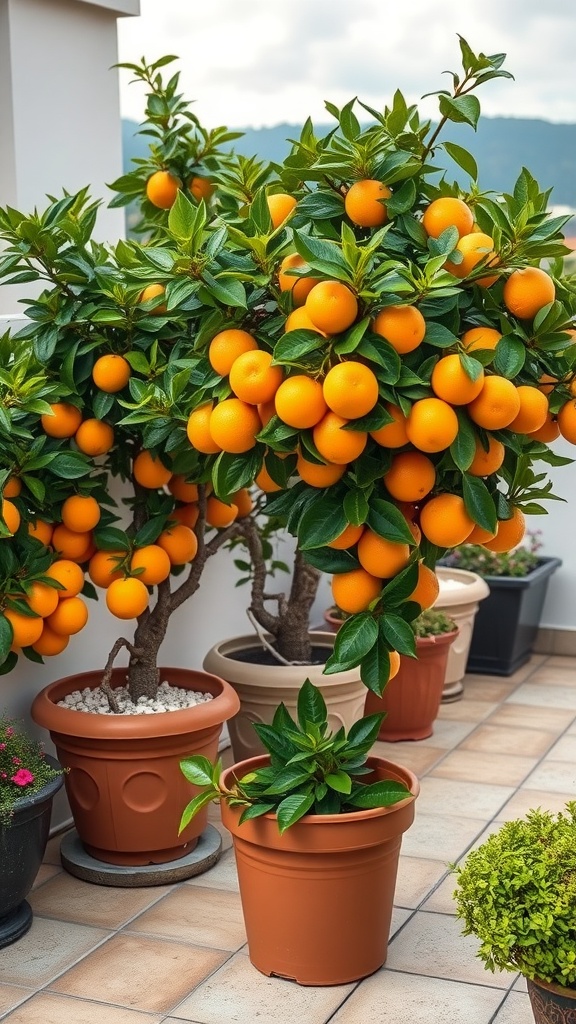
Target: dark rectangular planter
507	620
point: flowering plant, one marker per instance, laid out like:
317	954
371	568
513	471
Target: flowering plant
518	562
24	768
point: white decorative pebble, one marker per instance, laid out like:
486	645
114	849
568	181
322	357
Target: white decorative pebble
168	698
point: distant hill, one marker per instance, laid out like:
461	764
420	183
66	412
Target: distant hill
501	147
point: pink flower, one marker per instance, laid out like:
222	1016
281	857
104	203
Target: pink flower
2	746
16	760
9	731
22	777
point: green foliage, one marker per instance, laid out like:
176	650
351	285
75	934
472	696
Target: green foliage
433	622
24	769
518	562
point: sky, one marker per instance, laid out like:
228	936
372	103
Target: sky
249	63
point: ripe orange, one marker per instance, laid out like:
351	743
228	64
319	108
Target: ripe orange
226	346
451	382
548	432
354	591
201	188
392	435
533	410
527	291
363	203
50	643
154	562
485	462
381	557
394	665
299	401
444	520
332	306
480	338
182	490
479	535
12	487
63	421
25	629
427	588
317	475
509	533
567	421
403	327
149	471
281	206
432	425
198	430
41	531
10	515
336	444
42	598
111	373
70	575
80	513
154	291
299	286
410	477
219	514
266	410
162	189
127	598
243	501
348	538
94	437
254	379
497	404
447	212
299	320
179	542
70	616
71	544
186	514
350	389
476	248
264	481
103	567
234	425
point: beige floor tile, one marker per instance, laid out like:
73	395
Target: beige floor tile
496	739
52	855
466	710
206	917
520	984
447	734
463	799
555	776
472	765
540	695
416	877
561	661
563	750
239	993
407	999
550	675
226	837
68	899
11	995
49	948
523	716
488	688
411	755
141	973
222	876
441	901
49	1008
433	944
399	917
527	799
435	838
46	871
516	1009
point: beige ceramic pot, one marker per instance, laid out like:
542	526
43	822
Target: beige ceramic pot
460	594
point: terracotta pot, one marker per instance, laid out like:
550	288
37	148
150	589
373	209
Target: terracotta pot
261	688
460	603
412	699
125	787
333	620
551	1003
317	901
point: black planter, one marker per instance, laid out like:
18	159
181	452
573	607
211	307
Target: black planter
22	847
507	620
551	1004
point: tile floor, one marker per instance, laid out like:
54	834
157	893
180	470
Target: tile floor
177	953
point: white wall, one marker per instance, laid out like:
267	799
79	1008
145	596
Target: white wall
559	539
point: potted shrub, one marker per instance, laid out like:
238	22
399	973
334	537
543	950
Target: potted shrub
29	780
412	698
317	825
507	622
515	893
460	594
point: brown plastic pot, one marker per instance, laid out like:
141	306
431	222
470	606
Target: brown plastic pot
411	700
125	787
551	1003
318	900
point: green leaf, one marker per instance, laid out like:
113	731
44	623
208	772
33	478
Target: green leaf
460	109
331	560
356	507
339	781
364	733
320	205
355	638
6	636
387	521
398	634
292	809
197	770
70	465
294	345
401	586
289	777
375	667
108	538
321	522
463	448
379	794
311	706
256	811
232	472
510	356
439	335
479	502
195	805
325	257
463	158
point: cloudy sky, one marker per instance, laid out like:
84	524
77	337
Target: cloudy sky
264	62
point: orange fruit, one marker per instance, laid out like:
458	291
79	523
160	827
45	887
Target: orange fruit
80	513
497	404
198	430
299	401
226	346
63	421
10	515
299	286
254	379
347	539
12	487
432	425
527	291
94	437
42	598
403	327
70	544
392	435
70	575
381	557
480	338
548	432
243	501
154	562
350	389
533	410
26	630
50	643
354	591
161	190
179	542
509	533
41	531
447	212
363	203
394	665
154	291
411	476
451	382
234	425
264	481
476	248
485	462
219	514
317	475
182	490
111	373
566	418
332	306
70	616
127	598
201	188
299	320
266	410
186	514
149	471
479	535
546	383
336	444
103	567
427	588
281	206
444	520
